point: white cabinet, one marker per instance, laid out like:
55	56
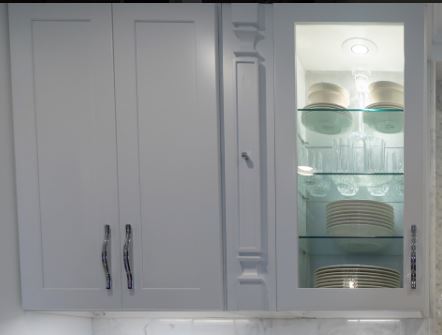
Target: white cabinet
310	140
146	156
169	154
64	128
119	125
282	170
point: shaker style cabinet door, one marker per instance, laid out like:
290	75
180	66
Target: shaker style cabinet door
64	127
168	156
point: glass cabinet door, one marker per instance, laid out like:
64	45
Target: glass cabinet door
350	154
351	157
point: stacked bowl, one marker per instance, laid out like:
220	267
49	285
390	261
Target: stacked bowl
356	276
328	116
359	219
385	95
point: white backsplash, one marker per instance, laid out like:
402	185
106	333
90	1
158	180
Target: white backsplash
32	323
141	326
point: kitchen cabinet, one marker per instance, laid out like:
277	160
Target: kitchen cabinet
65	151
169	153
357	143
222	157
118	156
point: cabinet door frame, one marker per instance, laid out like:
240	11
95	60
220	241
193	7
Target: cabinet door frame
208	291
35	292
417	159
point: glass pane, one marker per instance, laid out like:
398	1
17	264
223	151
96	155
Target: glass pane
350	148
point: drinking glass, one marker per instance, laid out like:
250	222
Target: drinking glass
347	185
318	186
375	154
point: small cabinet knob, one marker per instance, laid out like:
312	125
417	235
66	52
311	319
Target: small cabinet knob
246	156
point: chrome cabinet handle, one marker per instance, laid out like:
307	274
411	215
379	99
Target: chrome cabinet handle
413	257
104	257
126	257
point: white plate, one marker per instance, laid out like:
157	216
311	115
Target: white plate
365	214
390	281
376	215
359	203
379	203
358	219
359	227
385	122
384	104
320	93
388	275
367	280
358	282
361	275
351	218
386	223
324	105
356	267
327	122
360	209
359	287
368	276
356	223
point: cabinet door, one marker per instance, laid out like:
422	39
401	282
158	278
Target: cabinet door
349	107
65	147
169	154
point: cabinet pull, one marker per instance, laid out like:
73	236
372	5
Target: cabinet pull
104	257
126	257
246	156
413	257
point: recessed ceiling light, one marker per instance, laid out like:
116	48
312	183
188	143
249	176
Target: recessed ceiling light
358	46
359	49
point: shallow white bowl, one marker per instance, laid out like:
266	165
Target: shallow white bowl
328	93
385	93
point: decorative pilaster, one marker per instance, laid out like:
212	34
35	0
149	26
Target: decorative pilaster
246	67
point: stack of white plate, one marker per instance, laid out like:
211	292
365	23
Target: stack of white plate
356	276
330	120
385	95
360	218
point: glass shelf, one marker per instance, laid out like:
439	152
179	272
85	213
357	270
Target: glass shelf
370	110
351	237
356	174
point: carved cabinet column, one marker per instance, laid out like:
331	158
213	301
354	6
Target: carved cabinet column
248	142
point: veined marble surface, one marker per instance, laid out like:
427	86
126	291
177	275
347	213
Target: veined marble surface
140	326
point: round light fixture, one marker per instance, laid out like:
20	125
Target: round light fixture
359	49
304	170
359	46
